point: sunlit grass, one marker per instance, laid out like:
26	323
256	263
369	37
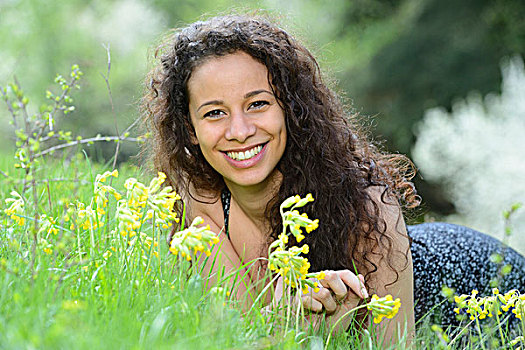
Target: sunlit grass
94	295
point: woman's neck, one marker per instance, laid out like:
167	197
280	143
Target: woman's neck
252	200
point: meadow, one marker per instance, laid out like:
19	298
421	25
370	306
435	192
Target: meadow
85	262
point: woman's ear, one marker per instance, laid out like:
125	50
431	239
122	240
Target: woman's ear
191	132
193	138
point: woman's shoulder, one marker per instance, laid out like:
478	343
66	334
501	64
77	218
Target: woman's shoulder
392	236
386	205
391	256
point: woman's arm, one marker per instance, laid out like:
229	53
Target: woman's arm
384	280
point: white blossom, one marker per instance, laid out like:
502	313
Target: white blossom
478	153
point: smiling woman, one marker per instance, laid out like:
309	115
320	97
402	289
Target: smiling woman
242	120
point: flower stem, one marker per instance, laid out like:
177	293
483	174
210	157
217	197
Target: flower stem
339	320
478	328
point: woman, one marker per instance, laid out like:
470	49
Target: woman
242	120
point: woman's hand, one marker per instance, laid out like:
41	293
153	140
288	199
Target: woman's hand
339	292
333	290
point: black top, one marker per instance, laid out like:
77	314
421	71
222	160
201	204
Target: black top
226	197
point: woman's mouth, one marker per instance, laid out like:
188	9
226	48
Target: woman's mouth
248	154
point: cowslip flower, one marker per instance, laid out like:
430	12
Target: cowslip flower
293	268
518	304
142	203
193	240
287	262
470	303
48	225
294	220
129	219
46	246
101	191
382	307
296	201
16	208
162	204
85	217
481	307
90	217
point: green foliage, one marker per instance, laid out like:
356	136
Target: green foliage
44	37
435	53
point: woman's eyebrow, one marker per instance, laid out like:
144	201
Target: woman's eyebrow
213	102
248	95
256	92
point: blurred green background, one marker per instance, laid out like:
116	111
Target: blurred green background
391	59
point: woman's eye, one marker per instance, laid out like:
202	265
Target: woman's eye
258	104
214	114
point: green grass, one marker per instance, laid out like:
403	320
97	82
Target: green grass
59	300
74	297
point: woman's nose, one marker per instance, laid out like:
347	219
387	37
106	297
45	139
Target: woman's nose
240	127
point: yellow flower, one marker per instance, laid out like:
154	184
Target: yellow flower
314	225
383	307
107	254
481	307
193	239
47	225
103	177
283	238
46	246
16	208
287	262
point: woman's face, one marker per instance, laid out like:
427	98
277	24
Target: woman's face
238	123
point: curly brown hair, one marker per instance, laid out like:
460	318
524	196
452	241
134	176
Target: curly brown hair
326	153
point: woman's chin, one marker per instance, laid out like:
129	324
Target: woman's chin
253	180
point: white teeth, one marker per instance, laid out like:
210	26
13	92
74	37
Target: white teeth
245	155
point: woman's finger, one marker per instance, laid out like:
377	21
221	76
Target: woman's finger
323	296
333	281
326	298
354	282
311	304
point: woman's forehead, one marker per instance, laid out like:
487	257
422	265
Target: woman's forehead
230	73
